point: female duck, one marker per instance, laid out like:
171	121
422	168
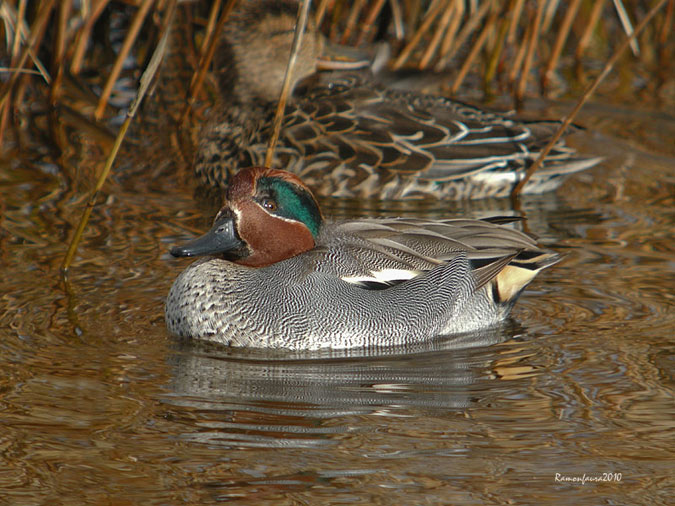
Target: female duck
348	137
281	277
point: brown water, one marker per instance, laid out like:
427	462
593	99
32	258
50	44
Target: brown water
99	405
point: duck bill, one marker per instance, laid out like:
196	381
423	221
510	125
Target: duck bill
222	239
338	57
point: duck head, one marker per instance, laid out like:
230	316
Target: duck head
255	46
269	216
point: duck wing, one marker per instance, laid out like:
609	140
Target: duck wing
374	130
378	253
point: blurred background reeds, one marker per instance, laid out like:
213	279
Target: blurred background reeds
69	70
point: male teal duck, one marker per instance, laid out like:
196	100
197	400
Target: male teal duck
279	276
346	136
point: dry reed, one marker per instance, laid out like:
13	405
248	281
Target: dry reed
75	57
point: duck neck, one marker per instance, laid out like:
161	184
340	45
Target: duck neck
241	83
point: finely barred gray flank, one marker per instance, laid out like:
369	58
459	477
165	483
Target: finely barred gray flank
264	308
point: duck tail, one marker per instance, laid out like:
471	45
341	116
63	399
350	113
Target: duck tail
508	284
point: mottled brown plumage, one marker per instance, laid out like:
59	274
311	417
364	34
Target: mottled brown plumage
346	136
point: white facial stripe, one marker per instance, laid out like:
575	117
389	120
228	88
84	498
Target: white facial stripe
283	218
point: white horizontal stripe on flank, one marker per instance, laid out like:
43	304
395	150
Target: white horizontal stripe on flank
383	276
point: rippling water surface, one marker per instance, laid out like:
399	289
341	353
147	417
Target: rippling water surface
98	405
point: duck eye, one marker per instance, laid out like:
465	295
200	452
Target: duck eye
269	204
